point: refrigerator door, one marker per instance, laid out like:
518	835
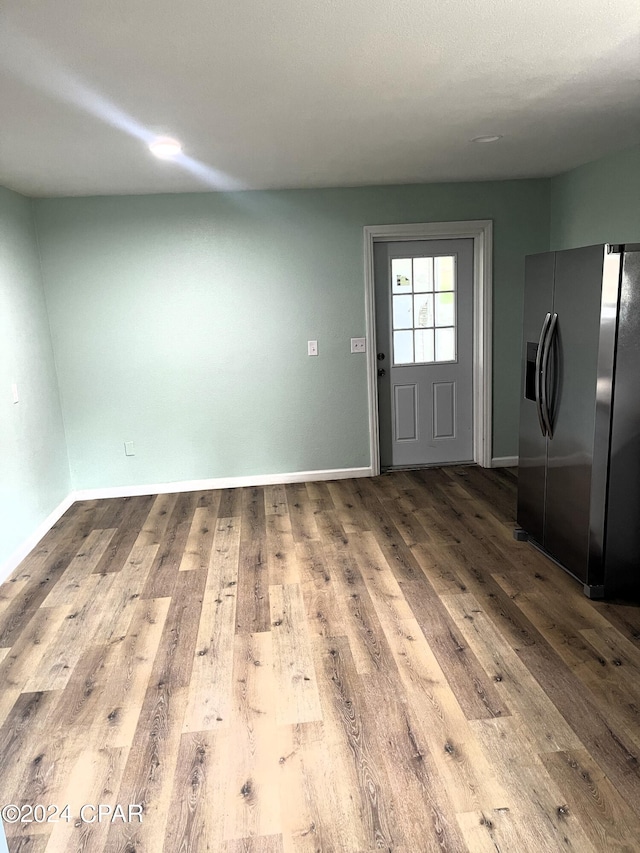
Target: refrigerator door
571	392
622	544
538	304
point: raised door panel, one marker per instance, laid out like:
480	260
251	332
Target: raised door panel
406	412
444	409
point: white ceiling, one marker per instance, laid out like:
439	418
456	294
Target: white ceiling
310	93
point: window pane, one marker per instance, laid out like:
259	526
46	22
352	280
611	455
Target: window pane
424	344
445	309
445	344
402	316
423	310
401	275
422	274
445	273
403	347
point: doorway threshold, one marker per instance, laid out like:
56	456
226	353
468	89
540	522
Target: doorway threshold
389	469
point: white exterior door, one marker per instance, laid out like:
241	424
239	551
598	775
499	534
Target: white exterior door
424	332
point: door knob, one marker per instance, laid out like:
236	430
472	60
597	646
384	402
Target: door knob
380	356
382	371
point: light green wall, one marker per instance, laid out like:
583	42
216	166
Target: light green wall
598	202
34	471
180	322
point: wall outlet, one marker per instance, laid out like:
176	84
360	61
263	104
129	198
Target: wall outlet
129	448
14	393
312	347
358	344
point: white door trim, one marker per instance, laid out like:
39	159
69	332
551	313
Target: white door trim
481	232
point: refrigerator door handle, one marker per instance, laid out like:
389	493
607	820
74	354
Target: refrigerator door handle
538	384
544	401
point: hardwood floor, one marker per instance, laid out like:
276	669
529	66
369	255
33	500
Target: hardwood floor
348	666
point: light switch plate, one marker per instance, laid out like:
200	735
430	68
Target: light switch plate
129	448
358	344
312	347
14	393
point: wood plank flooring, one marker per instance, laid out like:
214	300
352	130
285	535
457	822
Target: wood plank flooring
340	667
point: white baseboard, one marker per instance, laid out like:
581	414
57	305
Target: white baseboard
17	556
30	543
504	462
221	483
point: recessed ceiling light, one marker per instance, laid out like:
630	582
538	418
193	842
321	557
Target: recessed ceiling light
165	148
485	139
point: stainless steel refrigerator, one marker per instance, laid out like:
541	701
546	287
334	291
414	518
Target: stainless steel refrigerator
579	456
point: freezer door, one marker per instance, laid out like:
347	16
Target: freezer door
571	386
538	304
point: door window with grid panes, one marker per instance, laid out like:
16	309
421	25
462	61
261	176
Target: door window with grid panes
423	296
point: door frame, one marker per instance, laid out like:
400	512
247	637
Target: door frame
481	232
